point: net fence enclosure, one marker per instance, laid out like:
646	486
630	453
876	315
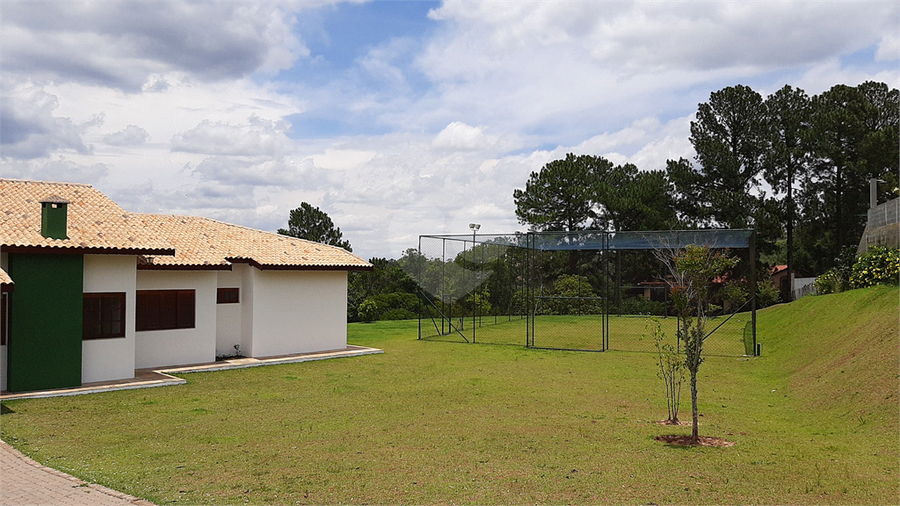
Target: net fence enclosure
584	291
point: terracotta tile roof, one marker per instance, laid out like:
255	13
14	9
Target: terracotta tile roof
94	222
4	278
204	242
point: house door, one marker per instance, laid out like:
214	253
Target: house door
45	322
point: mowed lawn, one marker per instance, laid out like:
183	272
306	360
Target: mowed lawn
814	421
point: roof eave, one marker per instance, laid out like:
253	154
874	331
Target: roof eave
184	267
79	250
288	267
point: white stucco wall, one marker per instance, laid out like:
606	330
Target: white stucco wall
246	273
157	348
298	311
109	359
228	316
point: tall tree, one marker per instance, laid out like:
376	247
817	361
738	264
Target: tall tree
632	199
729	137
787	157
880	147
560	197
313	224
837	132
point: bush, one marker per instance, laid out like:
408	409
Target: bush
368	311
398	314
643	306
878	266
830	282
389	306
766	293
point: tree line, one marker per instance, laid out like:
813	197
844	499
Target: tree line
792	166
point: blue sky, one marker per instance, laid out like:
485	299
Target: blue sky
396	118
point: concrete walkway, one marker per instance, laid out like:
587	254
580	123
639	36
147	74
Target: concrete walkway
24	482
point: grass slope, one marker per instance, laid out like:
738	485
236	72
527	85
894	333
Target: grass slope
815	421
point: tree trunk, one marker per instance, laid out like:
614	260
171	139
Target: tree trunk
790	232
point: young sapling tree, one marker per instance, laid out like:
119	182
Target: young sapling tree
691	272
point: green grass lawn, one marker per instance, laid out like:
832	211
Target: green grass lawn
814	421
626	333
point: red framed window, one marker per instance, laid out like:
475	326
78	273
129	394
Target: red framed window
165	309
227	296
103	316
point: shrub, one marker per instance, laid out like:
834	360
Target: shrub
388	306
878	266
830	282
398	314
766	293
641	305
368	311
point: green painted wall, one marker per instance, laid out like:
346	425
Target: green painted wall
45	313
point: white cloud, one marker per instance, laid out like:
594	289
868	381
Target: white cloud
132	135
342	159
30	126
120	43
458	135
256	137
889	48
59	169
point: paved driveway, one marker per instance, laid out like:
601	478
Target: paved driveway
24	482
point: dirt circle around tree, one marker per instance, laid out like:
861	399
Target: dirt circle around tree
685	440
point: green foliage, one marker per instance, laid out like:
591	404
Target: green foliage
853	137
313	224
837	279
632	199
671	370
571	290
733	295
736	293
389	306
766	293
641	305
561	195
692	270
830	282
880	265
387	276
368	311
729	136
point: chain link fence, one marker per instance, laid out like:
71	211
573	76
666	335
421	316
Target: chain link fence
588	291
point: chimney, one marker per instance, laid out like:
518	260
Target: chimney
53	217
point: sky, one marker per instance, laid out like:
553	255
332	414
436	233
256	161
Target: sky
396	118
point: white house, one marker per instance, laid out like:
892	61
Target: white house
91	292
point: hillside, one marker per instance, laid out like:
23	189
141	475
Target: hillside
838	354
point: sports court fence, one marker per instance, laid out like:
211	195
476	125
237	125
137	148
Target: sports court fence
586	291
